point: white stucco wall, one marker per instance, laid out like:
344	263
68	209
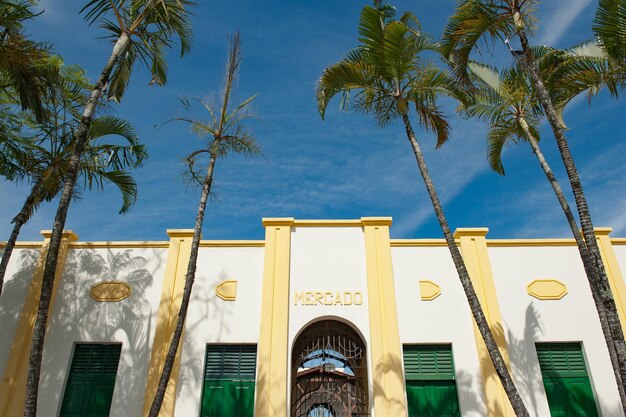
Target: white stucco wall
446	319
571	319
213	320
76	317
17	279
328	259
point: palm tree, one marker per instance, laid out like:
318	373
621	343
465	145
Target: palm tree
224	132
389	77
101	162
610	30
476	21
25	69
142	31
508	103
41	159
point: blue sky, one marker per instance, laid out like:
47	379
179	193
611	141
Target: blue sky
344	167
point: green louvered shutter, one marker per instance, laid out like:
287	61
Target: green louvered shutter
430	382
229	381
566	380
89	388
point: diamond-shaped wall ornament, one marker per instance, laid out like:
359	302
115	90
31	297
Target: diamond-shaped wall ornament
110	291
227	290
547	289
429	290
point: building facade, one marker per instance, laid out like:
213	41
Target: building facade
320	319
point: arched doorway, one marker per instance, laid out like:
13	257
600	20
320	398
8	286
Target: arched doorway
329	372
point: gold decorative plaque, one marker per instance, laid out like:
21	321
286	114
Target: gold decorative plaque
227	290
110	291
547	289
429	290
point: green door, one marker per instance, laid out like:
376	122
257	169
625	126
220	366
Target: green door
228	389
566	380
430	381
89	388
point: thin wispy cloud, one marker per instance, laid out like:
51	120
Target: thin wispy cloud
560	19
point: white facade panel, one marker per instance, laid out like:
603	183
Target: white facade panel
620	254
213	320
329	260
76	317
445	320
528	320
17	280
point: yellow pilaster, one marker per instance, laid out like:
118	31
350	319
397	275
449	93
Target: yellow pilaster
613	272
171	296
476	257
385	348
13	384
273	352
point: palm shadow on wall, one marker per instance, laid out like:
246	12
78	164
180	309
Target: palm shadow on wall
79	318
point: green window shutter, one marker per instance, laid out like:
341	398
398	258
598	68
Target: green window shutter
430	381
565	380
229	376
428	362
91	380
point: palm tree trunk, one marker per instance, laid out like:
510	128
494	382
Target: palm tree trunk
18	222
34	366
601	283
189	280
590	271
472	298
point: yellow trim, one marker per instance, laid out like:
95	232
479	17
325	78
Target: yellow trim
110	291
476	257
273	350
531	242
13	384
613	272
24	245
429	290
385	347
618	241
122	244
227	290
171	296
547	289
418	243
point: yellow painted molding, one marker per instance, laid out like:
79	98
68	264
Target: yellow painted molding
122	244
476	258
618	240
13	383
530	242
66	234
418	243
377	221
110	291
273	349
385	347
232	243
429	290
24	245
276	221
171	295
227	290
547	289
613	271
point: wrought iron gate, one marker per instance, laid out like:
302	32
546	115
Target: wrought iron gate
329	372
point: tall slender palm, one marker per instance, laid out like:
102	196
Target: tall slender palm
41	159
388	77
224	131
476	21
508	103
142	30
